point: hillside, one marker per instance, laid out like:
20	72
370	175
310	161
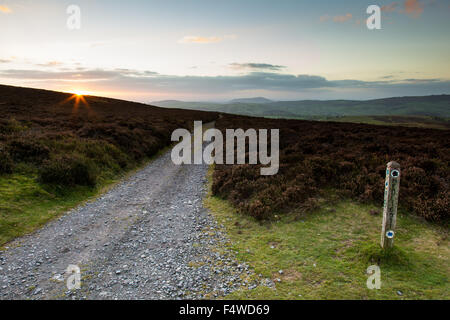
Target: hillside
57	149
314	227
403	121
316	157
437	106
308	232
39	128
251	100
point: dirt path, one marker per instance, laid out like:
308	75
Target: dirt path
147	238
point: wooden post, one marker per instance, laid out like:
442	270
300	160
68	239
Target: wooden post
391	191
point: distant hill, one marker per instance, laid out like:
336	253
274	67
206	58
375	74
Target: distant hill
435	106
252	100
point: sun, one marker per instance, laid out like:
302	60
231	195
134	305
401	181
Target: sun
79	92
78	96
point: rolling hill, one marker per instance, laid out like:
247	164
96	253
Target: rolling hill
57	149
434	106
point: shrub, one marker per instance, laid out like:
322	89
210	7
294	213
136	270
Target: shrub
69	170
6	163
38	126
11	126
436	209
28	150
348	158
258	210
104	154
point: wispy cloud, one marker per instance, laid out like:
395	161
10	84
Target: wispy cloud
339	18
5	9
390	7
256	66
78	74
198	39
205	40
50	64
421	80
148	81
343	18
413	8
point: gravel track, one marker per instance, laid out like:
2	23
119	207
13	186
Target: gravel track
147	238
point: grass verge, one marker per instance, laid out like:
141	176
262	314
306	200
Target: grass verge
405	121
325	254
26	204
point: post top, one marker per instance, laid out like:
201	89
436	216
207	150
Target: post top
394	165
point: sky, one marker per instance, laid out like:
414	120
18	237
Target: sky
204	50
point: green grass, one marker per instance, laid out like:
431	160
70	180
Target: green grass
393	120
325	254
405	121
26	204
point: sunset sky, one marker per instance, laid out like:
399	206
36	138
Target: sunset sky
220	50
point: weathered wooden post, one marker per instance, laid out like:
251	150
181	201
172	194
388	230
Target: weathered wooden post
391	191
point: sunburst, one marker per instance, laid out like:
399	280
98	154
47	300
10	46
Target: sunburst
78	97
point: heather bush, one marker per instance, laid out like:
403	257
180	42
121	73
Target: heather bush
434	209
69	170
6	163
11	126
43	131
348	158
103	154
26	149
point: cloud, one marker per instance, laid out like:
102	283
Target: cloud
390	7
5	9
74	75
198	39
339	19
78	74
421	80
145	83
260	66
203	40
343	18
134	73
413	8
50	64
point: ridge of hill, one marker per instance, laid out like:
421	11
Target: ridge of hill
434	106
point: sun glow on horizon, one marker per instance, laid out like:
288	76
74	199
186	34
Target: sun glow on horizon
78	98
79	92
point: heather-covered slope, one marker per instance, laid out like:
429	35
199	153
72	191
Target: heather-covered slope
70	139
347	158
56	150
